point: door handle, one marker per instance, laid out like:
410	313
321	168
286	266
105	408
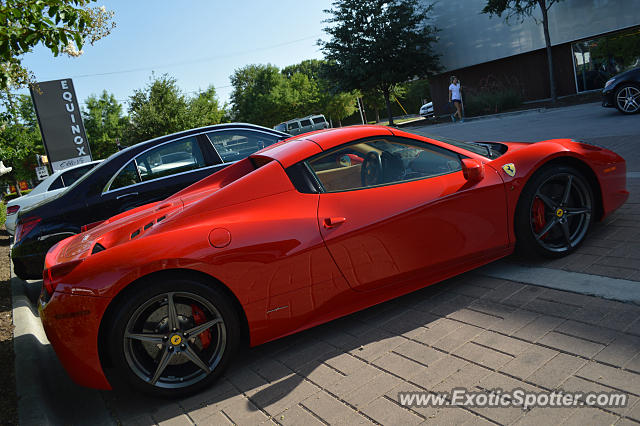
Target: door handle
126	195
330	222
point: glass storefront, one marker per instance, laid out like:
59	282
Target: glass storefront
599	59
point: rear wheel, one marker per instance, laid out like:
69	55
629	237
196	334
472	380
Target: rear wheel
555	212
174	337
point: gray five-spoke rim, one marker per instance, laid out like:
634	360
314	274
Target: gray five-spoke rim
628	99
163	343
567	212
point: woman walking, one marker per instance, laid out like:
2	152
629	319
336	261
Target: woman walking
455	96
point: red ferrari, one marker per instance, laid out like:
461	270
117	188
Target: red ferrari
301	233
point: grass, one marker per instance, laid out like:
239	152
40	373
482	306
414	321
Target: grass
3	212
395	121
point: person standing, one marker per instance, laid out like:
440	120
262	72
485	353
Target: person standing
455	97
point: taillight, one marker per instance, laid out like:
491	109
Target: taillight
12	210
85	228
26	226
51	277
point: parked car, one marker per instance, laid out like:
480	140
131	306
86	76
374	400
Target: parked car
426	110
298	126
146	172
162	297
623	92
51	186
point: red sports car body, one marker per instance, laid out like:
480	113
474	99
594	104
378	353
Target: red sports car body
303	232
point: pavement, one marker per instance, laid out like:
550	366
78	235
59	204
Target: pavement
571	324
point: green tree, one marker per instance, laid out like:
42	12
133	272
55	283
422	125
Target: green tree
62	26
20	138
259	92
204	109
104	123
340	106
328	100
374	98
417	92
521	9
162	108
376	44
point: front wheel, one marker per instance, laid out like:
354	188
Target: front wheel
627	99
173	337
554	213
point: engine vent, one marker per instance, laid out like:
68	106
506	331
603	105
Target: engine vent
97	248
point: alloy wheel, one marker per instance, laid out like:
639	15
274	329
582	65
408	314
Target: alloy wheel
561	212
174	340
628	99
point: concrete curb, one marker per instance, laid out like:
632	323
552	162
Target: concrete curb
590	285
46	395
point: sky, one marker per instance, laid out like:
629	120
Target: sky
198	42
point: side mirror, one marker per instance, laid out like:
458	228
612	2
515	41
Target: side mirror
472	170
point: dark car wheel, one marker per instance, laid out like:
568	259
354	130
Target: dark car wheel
554	213
174	337
627	99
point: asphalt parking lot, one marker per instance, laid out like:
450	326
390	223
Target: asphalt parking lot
508	326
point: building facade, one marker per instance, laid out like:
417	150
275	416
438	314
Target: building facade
592	40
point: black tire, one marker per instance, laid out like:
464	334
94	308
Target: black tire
562	223
20	271
627	98
137	360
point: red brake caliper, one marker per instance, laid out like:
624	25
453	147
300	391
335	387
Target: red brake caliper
199	318
537	214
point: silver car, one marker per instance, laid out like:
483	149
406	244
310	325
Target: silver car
49	187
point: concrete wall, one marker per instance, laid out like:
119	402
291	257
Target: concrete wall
468	37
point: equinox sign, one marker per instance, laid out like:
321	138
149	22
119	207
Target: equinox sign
60	123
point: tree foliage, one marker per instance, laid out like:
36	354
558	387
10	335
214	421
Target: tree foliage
265	95
257	94
20	138
376	44
521	9
518	9
62	26
162	108
104	123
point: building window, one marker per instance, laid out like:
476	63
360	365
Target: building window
599	59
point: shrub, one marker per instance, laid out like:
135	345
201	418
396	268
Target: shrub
3	213
13	195
491	102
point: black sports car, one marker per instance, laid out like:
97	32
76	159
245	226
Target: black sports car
147	172
623	92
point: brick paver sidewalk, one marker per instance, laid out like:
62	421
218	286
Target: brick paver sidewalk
472	331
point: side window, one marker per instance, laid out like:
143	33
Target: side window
174	157
57	184
305	123
381	162
127	176
293	126
319	120
239	144
71	176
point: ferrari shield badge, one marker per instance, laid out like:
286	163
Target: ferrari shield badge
509	169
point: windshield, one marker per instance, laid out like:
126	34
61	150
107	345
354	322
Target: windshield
484	149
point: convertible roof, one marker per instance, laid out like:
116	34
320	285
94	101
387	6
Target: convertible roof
292	150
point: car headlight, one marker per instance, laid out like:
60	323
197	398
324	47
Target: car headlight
609	82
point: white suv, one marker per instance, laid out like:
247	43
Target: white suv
303	125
